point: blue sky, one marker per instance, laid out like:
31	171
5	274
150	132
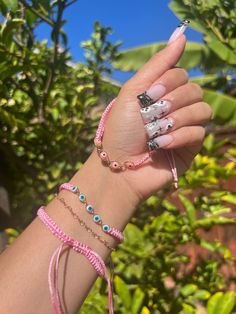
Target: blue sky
135	22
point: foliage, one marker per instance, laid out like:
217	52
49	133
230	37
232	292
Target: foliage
153	266
48	116
42	112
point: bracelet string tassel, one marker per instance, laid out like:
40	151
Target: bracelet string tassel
95	260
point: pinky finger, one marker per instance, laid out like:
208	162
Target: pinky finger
185	136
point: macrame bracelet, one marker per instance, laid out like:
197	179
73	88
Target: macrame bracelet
115	233
131	165
113	165
95	260
83	224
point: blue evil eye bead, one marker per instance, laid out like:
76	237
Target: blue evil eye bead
105	228
96	218
82	198
89	208
74	189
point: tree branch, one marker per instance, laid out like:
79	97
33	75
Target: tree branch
51	75
37	13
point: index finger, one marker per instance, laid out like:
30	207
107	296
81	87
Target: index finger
158	64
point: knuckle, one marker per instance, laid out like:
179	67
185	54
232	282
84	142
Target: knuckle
183	73
207	110
196	134
197	90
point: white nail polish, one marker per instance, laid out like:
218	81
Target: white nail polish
155	111
159	127
179	31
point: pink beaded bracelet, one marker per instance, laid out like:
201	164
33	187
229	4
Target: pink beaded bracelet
131	165
112	164
90	209
95	260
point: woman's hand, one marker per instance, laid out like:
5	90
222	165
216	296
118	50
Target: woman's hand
125	137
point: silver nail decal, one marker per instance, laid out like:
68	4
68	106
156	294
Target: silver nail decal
155	111
159	127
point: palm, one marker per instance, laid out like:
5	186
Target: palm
125	139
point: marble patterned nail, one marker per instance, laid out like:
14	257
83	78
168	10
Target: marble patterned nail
159	127
155	111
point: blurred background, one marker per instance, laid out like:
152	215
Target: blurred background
61	62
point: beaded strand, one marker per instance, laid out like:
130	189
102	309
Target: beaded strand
91	210
83	224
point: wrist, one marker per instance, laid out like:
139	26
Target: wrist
108	191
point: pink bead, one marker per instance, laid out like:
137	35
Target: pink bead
129	165
103	155
98	143
115	165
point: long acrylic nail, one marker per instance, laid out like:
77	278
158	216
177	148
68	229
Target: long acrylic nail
179	31
154	93
160	141
155	111
159	127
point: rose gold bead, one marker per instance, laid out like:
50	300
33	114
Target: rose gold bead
103	155
98	143
129	164
115	165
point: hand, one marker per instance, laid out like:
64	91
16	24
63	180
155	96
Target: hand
125	137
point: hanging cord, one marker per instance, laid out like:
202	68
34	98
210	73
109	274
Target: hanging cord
95	260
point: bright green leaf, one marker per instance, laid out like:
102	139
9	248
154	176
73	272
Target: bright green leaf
214	303
188	289
137	301
123	292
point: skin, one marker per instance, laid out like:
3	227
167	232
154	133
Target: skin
24	265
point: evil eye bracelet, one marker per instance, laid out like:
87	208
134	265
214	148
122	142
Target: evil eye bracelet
90	209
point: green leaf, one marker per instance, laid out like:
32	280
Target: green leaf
221	50
133	59
223	106
12	232
227	303
123	292
133	234
188	289
182	12
230	198
137	301
190	209
11	4
8	27
214	303
145	310
202	294
202	80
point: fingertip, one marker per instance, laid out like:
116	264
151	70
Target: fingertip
179	41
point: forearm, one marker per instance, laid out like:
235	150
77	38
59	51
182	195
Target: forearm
24	265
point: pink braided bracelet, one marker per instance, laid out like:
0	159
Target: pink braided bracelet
95	260
132	165
90	209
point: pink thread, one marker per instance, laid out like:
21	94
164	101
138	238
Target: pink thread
95	260
112	231
147	156
172	163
